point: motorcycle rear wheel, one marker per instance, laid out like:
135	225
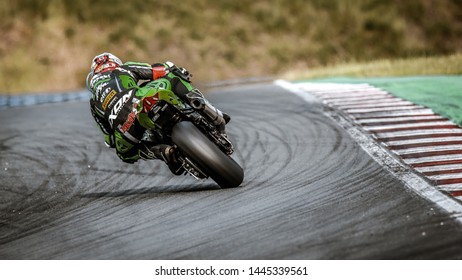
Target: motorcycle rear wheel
220	167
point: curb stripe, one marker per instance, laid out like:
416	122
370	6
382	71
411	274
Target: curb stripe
431	125
360	101
435	163
420	128
431	154
395	122
417	136
383	109
445	176
426	142
449	181
415	113
456	193
374	105
442	172
402	118
345	95
447	148
439	168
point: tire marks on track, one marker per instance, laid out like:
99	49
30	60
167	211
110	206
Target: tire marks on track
309	192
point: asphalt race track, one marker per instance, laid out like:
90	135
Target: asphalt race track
310	192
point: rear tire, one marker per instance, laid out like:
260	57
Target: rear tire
216	164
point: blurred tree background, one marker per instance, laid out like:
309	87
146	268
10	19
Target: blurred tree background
48	44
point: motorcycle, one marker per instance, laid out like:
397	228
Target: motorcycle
203	150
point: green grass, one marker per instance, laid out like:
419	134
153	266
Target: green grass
443	94
438	65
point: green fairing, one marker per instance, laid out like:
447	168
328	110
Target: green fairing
163	88
164	83
171	98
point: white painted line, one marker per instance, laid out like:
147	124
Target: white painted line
432	159
445	176
450	187
439	168
350	93
352	96
361	100
375	105
424	141
411	180
418	132
407	125
339	88
398	113
400	119
384	109
428	149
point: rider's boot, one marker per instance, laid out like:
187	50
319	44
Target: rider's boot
163	152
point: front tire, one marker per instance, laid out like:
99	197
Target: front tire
219	166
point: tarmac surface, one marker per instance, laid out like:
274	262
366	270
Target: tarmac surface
310	192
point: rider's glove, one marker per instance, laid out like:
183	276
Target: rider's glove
179	71
185	73
169	65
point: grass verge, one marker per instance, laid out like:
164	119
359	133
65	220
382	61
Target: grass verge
438	65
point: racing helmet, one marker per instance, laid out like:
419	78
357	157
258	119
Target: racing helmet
104	62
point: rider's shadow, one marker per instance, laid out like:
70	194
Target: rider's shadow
154	190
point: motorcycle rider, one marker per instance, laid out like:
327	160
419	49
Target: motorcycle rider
118	101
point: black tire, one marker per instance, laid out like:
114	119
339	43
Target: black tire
219	166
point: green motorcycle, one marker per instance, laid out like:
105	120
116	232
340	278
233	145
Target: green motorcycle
203	150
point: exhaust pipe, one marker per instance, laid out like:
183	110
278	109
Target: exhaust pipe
199	103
